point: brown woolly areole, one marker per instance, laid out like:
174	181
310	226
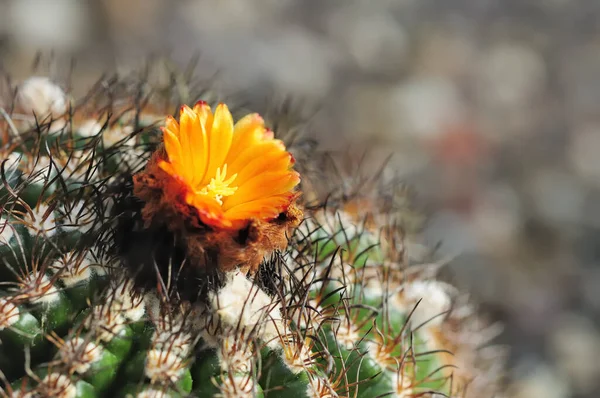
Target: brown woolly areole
207	247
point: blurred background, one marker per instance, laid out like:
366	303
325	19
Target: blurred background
491	107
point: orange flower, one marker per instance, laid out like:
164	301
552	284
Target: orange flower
231	173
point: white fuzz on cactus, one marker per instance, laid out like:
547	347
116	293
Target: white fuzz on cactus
79	355
174	337
105	322
163	365
39	289
118	136
41	220
125	300
72	270
11	161
236	355
89	128
431	300
237	387
152	393
43	98
9	314
58	385
7	231
242	306
75	217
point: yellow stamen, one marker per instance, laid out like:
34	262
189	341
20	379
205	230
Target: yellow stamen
219	186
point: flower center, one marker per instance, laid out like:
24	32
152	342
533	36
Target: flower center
218	187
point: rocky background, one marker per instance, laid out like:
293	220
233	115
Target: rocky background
492	108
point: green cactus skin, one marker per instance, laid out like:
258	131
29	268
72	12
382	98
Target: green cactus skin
342	313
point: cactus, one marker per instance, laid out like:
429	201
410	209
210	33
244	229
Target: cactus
144	256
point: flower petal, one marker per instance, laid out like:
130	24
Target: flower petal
167	167
262	185
271	161
257	180
186	130
172	125
263	208
209	210
247	131
220	138
253	152
172	146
